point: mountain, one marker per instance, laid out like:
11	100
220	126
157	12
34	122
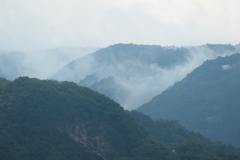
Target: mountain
110	88
137	73
183	143
205	101
47	119
166	131
117	56
44	119
40	64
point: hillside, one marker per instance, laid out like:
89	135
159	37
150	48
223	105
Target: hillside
187	145
205	101
166	131
137	73
36	117
47	120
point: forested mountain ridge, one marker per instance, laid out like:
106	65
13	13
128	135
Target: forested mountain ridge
47	119
137	73
205	101
166	131
33	112
118	54
187	145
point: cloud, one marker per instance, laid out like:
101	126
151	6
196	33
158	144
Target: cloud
41	24
41	64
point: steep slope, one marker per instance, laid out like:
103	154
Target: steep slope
205	101
37	119
138	71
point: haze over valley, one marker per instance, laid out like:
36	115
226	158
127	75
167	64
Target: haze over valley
133	74
129	74
40	64
119	80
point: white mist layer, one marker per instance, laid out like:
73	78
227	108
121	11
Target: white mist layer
41	64
143	82
136	82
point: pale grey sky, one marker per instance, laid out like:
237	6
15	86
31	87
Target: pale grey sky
42	24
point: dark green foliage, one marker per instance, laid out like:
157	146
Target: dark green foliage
166	131
205	101
186	145
31	110
47	120
150	149
3	82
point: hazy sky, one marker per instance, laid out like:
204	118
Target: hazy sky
43	24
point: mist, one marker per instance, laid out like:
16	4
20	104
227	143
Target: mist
135	76
41	24
39	64
129	74
145	82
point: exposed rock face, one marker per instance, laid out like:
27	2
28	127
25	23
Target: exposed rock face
94	139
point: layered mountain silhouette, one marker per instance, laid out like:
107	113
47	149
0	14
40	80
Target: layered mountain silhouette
48	120
133	74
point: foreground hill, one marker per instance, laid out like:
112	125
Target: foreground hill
207	100
48	120
137	73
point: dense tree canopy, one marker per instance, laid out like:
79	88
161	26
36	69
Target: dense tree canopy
205	101
33	110
47	120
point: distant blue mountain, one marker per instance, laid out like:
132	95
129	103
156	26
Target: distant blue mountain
133	74
207	100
